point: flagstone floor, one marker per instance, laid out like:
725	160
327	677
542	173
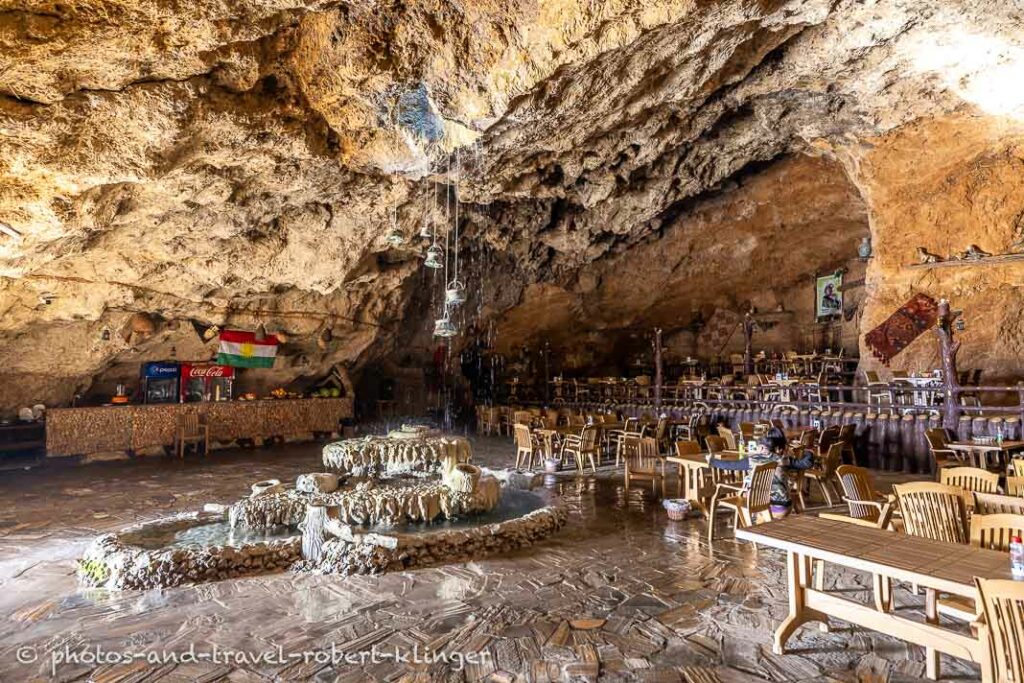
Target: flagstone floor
620	594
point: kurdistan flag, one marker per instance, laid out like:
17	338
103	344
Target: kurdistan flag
242	350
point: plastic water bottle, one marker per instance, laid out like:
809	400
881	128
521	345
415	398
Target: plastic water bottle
1017	558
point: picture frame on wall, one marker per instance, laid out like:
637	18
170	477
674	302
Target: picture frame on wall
829	296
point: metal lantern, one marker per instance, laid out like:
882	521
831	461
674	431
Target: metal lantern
443	327
435	257
455	294
395	237
425	230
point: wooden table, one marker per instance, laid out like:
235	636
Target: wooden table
979	453
933	565
692	470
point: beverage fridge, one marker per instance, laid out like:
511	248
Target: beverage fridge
206	382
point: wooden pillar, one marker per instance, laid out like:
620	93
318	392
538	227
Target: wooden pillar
748	347
657	371
948	349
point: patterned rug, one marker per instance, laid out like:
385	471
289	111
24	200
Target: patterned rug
902	327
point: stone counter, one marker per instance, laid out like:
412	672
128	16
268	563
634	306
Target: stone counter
83	431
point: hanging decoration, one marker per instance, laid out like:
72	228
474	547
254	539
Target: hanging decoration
395	236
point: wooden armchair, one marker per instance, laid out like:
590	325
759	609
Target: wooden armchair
942	456
1017	467
1002	605
994	532
526	447
582	446
192	429
748	503
825	473
865	503
847	434
644	462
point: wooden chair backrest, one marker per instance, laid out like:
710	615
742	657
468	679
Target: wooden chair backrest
832	460
1017	467
994	532
576	421
726	435
970	479
588	438
856	483
935	511
647	453
1015	486
659	431
759	495
522	436
687	448
747	430
808	438
716	444
524	417
188	424
1002	603
936	439
551	416
996	503
846	432
828	436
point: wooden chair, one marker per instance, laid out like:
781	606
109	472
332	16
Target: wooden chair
661	434
749	502
1002	605
1015	486
691	430
1017	467
970	479
995	503
194	429
615	436
716	445
489	422
825	473
728	437
828	436
935	511
643	461
865	503
941	454
582	446
847	433
994	532
526	448
747	430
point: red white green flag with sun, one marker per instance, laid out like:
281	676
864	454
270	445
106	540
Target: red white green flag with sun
242	349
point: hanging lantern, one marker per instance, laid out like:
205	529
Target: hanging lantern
455	294
395	237
425	230
444	327
435	257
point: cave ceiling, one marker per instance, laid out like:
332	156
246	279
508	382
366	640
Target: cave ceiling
238	163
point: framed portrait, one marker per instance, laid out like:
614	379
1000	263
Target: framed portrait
829	295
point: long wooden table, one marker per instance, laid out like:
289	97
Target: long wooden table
938	567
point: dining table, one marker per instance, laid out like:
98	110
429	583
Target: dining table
979	453
811	543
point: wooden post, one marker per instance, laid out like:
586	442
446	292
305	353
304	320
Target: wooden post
748	349
948	349
657	369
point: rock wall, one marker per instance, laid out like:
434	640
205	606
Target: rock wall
242	167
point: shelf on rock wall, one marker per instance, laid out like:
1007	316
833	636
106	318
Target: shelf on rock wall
985	261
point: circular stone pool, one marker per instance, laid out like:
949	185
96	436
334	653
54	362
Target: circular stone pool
203	546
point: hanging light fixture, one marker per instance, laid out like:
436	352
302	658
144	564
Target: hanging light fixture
395	236
443	326
435	257
455	294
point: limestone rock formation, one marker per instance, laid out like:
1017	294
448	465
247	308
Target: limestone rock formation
661	161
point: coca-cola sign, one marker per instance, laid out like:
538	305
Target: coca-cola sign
191	371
